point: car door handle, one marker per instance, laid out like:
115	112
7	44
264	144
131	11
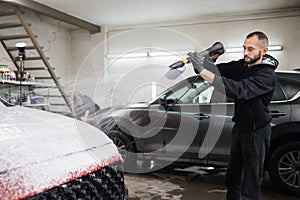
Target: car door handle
201	116
276	114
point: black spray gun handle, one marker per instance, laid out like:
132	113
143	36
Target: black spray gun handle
216	48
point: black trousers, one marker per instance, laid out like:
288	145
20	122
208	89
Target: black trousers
245	169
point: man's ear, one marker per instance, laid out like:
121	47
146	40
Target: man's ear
265	50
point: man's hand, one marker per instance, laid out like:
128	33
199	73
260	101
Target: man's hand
197	60
85	117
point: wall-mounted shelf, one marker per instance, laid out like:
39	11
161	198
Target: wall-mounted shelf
16	91
23	83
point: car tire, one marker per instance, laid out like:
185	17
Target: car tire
125	146
284	168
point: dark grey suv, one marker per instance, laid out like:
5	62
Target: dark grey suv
191	123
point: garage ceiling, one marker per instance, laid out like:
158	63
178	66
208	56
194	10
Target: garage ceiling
129	12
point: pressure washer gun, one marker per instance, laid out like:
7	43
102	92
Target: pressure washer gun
178	67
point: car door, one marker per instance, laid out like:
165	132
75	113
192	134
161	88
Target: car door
280	107
223	112
193	123
175	119
189	105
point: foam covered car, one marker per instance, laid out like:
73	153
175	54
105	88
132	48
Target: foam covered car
45	155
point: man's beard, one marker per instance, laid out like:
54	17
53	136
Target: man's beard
253	60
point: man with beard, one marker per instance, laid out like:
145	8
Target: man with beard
250	82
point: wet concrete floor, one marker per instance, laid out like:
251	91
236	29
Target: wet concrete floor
192	183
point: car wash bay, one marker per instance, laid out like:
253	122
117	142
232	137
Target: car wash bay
118	54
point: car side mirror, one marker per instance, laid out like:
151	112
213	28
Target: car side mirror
166	103
170	102
162	100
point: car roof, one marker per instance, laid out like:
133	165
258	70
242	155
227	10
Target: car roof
292	71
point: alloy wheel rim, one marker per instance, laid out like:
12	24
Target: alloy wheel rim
289	168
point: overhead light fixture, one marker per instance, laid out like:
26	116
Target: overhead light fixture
275	48
148	54
128	55
241	49
179	53
135	55
159	53
234	49
167	53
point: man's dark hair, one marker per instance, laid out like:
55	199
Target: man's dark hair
260	35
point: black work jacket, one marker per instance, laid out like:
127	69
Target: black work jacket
252	90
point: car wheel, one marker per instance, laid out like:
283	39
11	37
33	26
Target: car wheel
125	147
285	167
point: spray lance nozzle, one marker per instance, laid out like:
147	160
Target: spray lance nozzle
178	67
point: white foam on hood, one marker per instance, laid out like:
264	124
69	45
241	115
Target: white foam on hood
39	150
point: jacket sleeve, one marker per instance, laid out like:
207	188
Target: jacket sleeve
230	70
259	83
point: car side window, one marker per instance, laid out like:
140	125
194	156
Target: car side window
290	88
278	94
196	93
177	95
203	92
